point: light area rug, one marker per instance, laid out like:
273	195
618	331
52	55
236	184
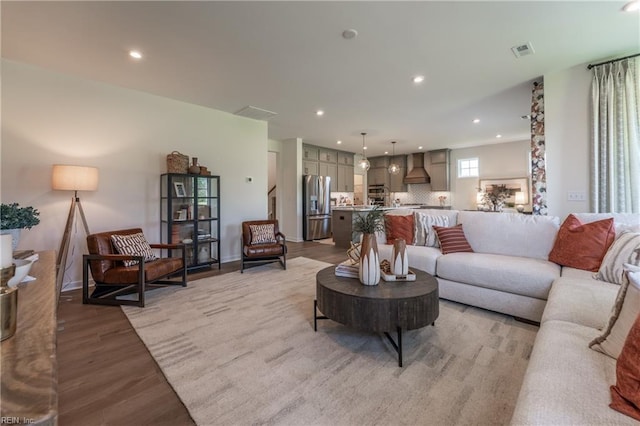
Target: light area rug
239	349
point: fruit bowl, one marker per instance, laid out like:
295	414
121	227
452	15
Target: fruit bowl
22	269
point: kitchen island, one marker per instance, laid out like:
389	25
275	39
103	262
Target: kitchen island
342	220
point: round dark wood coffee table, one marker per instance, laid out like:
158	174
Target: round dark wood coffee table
388	306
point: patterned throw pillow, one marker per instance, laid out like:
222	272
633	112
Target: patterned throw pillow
134	245
623	314
424	235
625	249
399	227
262	234
452	239
582	246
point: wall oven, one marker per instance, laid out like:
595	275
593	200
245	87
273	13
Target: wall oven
377	194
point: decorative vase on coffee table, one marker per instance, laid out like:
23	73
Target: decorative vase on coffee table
369	270
399	258
15	237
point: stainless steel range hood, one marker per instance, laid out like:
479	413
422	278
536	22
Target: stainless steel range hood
417	174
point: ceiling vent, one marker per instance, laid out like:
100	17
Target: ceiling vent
523	50
255	113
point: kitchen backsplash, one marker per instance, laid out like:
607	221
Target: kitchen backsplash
421	194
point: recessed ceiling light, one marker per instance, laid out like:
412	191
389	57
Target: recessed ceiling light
498	136
418	79
632	6
364	147
349	34
319	112
135	54
476	120
419	147
339	142
386	153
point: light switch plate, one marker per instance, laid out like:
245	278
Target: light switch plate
576	196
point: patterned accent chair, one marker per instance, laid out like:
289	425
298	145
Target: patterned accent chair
262	242
113	279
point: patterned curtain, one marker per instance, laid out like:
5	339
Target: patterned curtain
615	149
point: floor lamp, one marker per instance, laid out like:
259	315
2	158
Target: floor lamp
71	178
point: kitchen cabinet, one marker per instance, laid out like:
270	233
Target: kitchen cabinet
396	183
190	214
310	168
338	165
345	178
328	155
439	169
376	162
331	170
378	176
309	152
345	158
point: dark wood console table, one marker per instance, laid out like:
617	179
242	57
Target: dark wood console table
386	307
29	369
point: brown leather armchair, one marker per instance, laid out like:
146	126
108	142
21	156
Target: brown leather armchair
257	252
112	278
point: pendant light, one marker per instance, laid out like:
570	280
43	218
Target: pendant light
364	163
394	169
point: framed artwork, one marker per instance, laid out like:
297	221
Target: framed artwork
512	185
180	189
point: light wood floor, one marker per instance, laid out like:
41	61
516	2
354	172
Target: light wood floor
106	376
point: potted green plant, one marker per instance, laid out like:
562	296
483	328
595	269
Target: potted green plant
13	218
369	222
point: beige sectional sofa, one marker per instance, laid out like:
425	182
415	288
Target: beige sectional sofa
566	382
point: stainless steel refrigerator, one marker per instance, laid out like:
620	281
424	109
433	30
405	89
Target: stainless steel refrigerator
316	207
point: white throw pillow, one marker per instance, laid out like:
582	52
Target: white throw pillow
424	234
624	313
625	249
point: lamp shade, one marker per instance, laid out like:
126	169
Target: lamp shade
520	199
74	178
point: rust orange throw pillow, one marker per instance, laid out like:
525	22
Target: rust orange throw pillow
452	239
625	395
399	227
582	246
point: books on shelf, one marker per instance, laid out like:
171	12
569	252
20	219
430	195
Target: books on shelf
347	269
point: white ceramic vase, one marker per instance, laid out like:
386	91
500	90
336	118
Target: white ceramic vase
399	258
369	270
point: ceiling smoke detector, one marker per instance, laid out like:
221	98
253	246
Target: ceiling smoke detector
255	113
523	50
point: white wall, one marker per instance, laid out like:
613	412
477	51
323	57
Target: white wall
50	118
567	96
504	160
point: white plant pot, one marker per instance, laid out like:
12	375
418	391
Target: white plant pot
15	237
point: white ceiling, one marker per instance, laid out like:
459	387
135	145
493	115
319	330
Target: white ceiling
290	58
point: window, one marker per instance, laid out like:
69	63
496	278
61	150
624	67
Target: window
468	167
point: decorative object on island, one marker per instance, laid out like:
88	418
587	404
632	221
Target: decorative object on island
8	299
177	163
71	178
443	200
520	200
364	164
369	222
394	169
13	218
399	258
